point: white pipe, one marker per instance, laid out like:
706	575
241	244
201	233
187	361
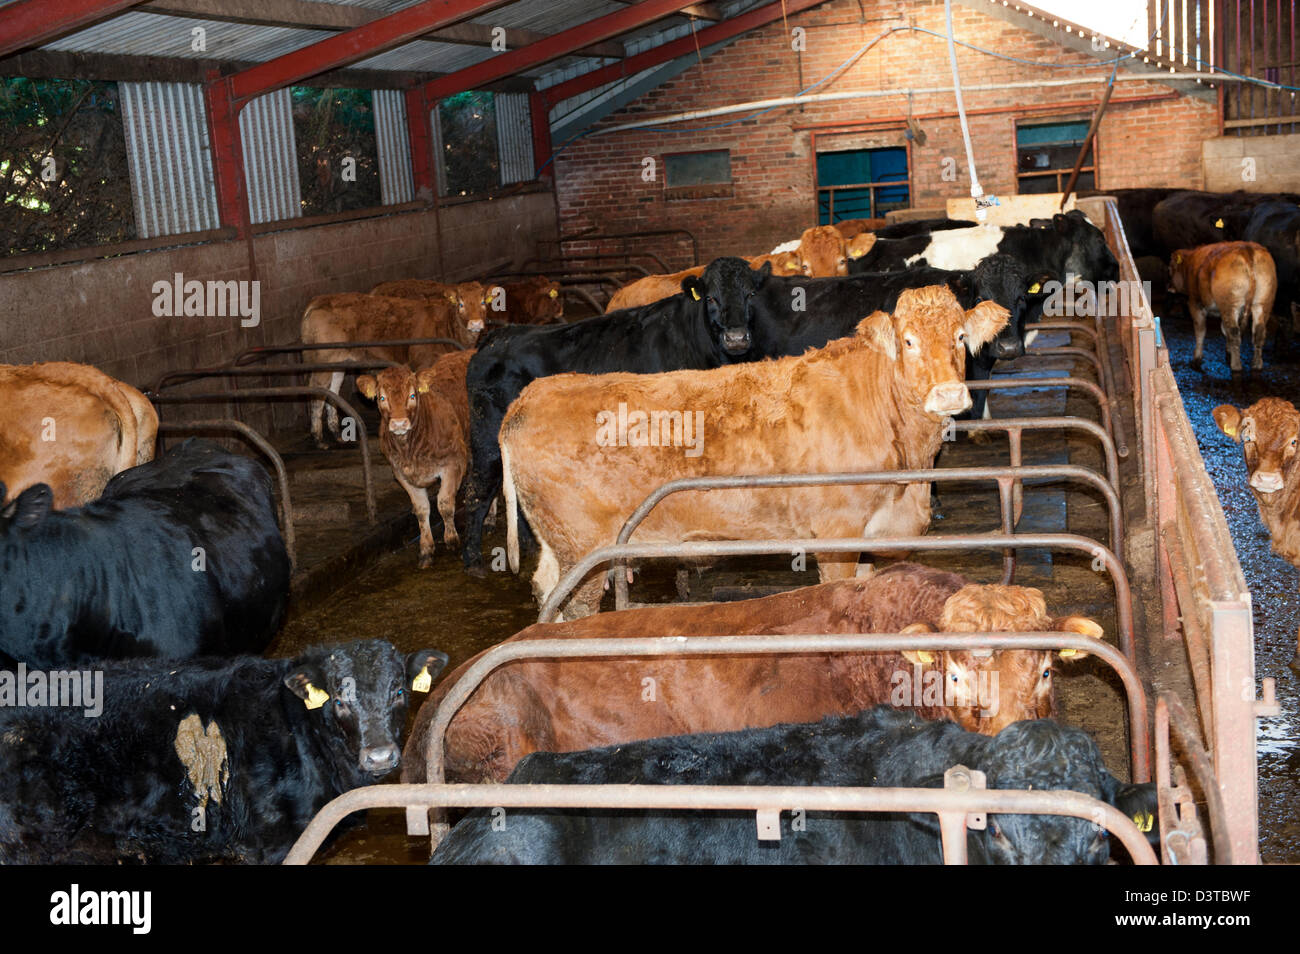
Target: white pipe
976	191
868	94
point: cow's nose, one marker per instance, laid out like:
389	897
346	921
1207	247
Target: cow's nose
1266	481
736	342
945	399
381	758
1004	350
399	425
476	326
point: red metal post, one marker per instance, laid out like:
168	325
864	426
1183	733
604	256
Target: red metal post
752	19
352	45
539	113
553	47
227	152
30	23
420	133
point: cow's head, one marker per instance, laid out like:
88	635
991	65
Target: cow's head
784	264
549	301
993	690
356	696
1178	263
927	336
396	392
1002	279
822	252
860	244
471	300
1088	257
1269	432
722	295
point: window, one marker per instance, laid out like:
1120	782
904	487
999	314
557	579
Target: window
697	168
861	183
468	129
1045	156
338	155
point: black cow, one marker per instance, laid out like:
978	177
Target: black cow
1072	246
203	760
921	227
1136	208
179	557
834	306
706	326
878	747
1276	226
1189	219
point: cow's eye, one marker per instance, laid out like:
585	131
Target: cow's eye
412	397
382	399
909	341
1047	674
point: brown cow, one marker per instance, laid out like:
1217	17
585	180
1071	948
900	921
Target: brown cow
821	249
1269	433
536	301
579	463
860	244
470	298
1234	280
567	705
650	289
851	227
352	316
70	426
424	433
784	264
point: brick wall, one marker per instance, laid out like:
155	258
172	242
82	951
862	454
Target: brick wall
1155	140
101	312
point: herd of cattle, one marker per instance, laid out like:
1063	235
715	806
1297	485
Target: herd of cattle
847	351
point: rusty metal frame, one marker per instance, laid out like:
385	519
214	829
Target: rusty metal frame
262	444
1028	384
594	236
291	392
542	262
248	355
649	646
1009	480
954	805
1015	426
1182	839
180	377
708	549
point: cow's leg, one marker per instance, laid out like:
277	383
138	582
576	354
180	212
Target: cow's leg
1259	334
450	481
1233	318
319	379
420	507
483	482
331	410
1198	328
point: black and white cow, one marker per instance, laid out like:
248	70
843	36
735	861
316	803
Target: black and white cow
878	747
179	557
204	760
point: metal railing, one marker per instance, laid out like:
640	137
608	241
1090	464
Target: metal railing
623	237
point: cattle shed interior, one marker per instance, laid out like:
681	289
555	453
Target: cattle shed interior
185	179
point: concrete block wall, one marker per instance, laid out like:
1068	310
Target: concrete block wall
1230	162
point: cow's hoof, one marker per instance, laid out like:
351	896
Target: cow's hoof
1196	364
1237	374
425	562
321	444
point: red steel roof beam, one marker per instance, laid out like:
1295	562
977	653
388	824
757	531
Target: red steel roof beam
33	22
551	48
750	20
345	48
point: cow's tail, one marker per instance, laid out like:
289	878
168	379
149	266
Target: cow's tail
512	509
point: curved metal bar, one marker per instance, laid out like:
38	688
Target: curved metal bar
1052	423
586	296
1086	354
624	236
295	391
1184	730
752	645
262	351
262	444
1030	383
1102	558
560	264
268	369
1072	326
770	798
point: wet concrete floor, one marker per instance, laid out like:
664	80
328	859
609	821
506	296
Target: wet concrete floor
446	609
1273	582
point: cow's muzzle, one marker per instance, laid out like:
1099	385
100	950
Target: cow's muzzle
736	342
1266	481
379	759
946	399
476	326
398	426
1005	349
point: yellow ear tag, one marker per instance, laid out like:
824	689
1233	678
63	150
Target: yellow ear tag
422	388
423	681
1035	288
924	656
1067	653
553	293
316	697
1218	223
1144	821
695	294
1231	430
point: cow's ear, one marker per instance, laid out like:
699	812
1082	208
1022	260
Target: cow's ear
1176	259
763	273
32	506
1081	625
878	329
1038	285
305	683
423	666
693	287
1229	420
367	385
983	322
1061	223
918	657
